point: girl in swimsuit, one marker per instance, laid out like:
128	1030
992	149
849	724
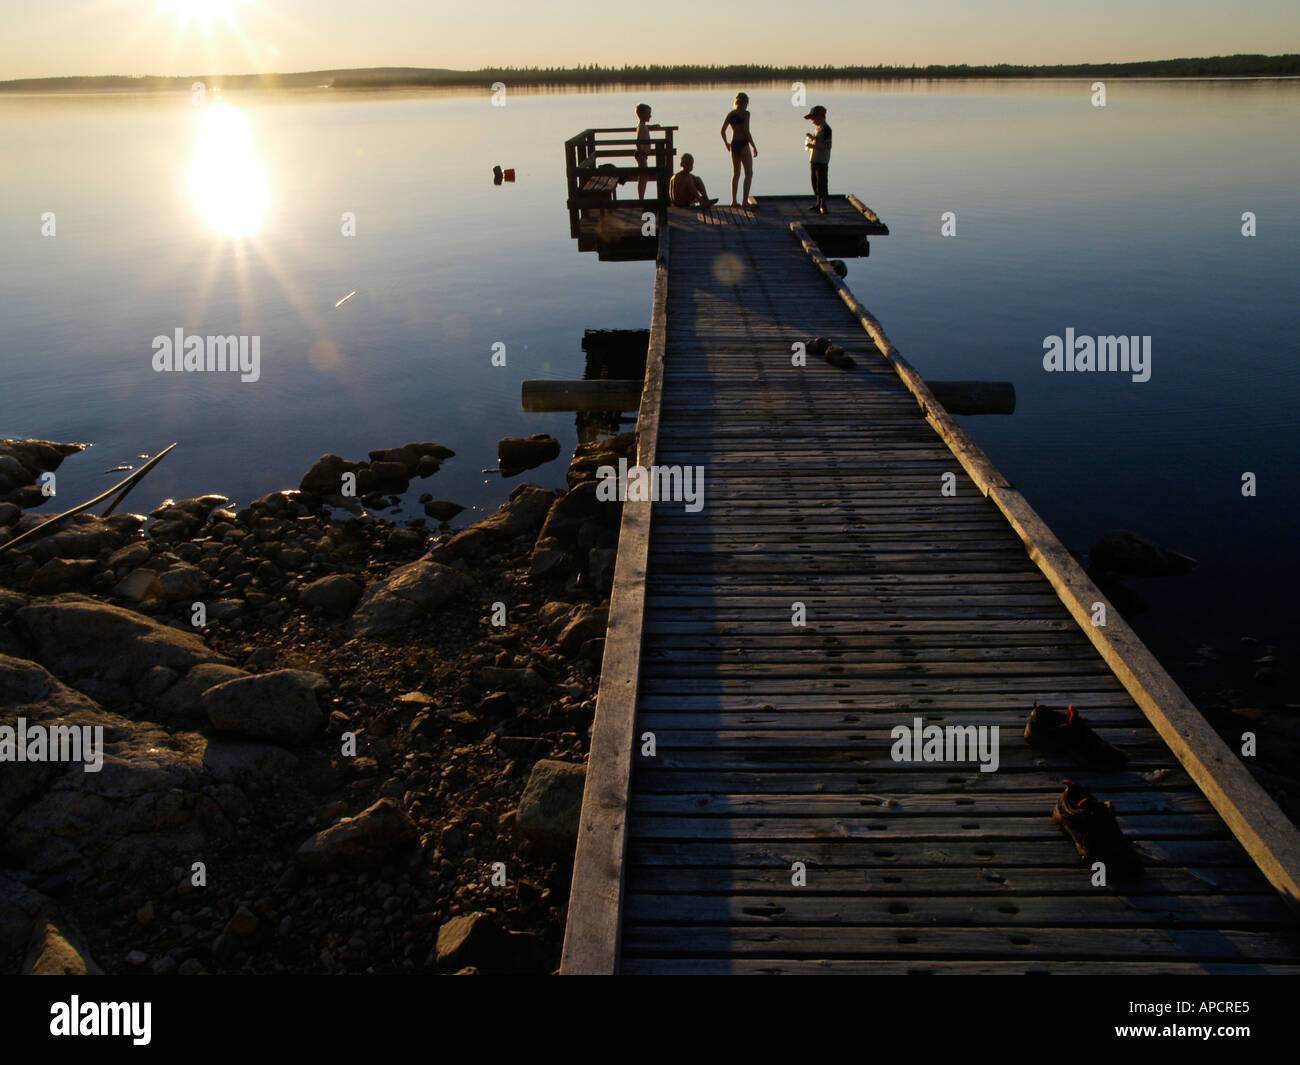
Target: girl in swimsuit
742	147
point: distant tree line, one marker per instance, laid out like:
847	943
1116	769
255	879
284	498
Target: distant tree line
655	73
664	74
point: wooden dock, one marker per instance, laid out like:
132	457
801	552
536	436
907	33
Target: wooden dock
772	740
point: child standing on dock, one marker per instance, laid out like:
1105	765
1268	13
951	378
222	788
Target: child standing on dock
643	144
742	147
819	144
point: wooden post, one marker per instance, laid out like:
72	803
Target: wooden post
592	932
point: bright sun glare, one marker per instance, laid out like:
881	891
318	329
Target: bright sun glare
227	178
206	12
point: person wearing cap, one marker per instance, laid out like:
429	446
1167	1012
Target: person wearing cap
819	144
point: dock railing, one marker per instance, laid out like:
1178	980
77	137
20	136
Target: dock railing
582	162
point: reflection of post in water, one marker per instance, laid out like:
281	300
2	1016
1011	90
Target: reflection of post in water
612	355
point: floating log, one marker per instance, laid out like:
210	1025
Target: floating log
975	397
581	395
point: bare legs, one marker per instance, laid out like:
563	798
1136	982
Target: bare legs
741	159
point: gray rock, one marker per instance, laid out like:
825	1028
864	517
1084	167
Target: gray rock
22	911
130	556
523	453
59	951
139	586
10	603
550	808
475	940
183	699
585	623
600	568
408	592
102	649
359	842
326	475
278	706
63	574
181	582
335	594
575	507
146	798
232	760
151	684
523	513
1123	551
442	509
549	559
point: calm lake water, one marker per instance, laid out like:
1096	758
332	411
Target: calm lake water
1125	219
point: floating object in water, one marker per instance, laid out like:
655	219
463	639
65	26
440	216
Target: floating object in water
510	174
124	468
345	299
496	175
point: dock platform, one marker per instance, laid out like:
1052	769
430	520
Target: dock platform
858	564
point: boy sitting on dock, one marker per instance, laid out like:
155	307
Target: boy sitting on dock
819	144
685	189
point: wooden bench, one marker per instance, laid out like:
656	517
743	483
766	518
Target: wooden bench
600	185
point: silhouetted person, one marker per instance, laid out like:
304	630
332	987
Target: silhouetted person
685	189
742	147
643	145
819	144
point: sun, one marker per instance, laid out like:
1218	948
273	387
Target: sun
205	12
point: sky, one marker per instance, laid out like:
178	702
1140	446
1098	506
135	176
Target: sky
48	38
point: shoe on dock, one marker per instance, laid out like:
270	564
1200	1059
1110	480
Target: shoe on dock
841	358
819	345
1070	736
1096	834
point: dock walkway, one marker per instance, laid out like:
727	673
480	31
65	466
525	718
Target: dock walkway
772	740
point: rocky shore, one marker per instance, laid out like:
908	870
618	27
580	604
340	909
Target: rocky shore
328	745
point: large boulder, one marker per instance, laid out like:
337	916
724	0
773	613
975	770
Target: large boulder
104	649
139	795
280	706
522	514
408	592
516	454
361	842
325	478
22	461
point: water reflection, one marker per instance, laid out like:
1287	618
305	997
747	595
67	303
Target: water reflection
227	177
